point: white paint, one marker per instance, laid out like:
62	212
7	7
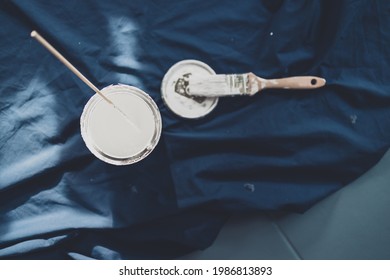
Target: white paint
110	136
134	189
271	33
250	187
254	87
353	119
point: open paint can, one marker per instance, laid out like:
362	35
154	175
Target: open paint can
123	133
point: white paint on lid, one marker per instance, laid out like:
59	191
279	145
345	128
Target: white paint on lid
183	106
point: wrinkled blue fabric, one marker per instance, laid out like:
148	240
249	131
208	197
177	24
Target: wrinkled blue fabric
278	150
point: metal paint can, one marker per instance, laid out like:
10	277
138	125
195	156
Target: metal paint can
176	96
125	133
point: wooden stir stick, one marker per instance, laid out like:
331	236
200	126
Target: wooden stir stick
51	49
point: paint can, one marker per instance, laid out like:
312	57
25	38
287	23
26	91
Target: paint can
175	92
125	133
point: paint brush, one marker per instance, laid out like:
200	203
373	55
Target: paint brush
61	58
246	84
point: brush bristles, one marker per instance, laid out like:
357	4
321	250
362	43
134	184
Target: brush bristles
212	86
219	85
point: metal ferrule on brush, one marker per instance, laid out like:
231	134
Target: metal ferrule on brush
237	83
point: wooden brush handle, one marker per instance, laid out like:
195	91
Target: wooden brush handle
299	82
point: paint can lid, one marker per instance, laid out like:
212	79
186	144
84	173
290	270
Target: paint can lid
125	133
175	93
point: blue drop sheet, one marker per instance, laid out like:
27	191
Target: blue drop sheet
280	150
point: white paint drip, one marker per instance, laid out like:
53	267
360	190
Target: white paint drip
249	187
353	119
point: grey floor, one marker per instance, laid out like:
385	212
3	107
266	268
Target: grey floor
353	223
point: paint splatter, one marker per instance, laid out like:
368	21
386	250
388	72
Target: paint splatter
353	119
134	189
249	187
